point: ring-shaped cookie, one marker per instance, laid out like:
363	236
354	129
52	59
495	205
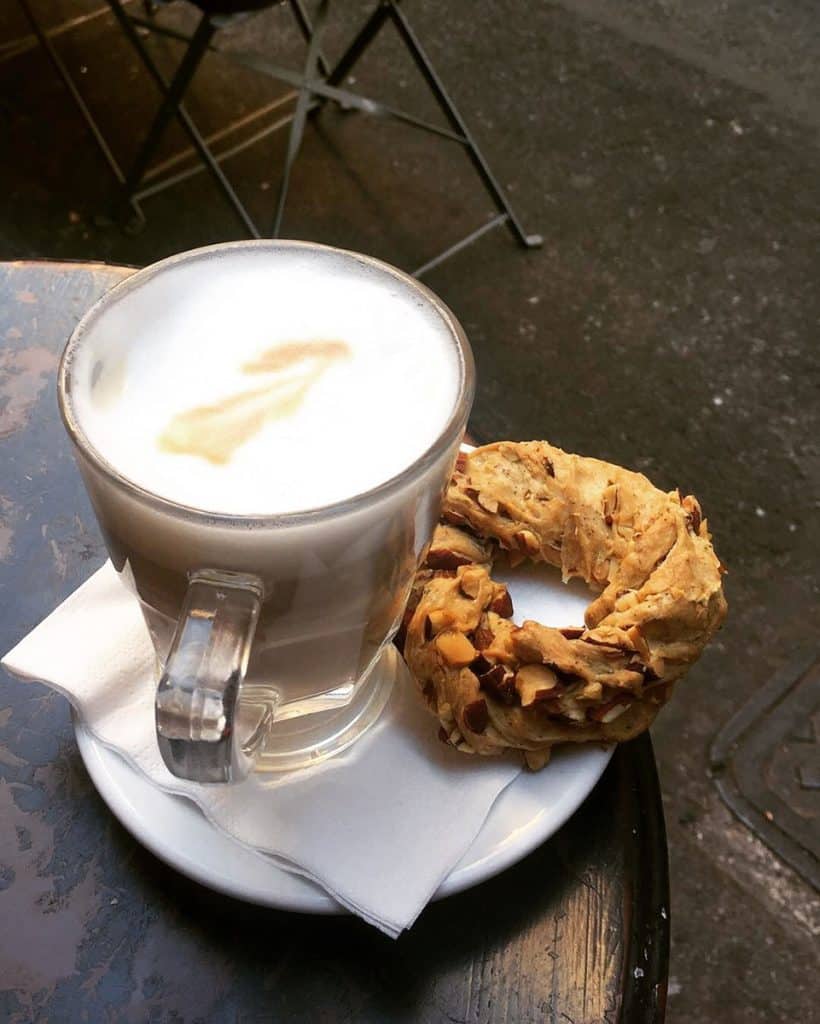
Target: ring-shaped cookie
495	685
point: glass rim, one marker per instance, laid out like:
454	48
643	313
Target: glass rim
447	436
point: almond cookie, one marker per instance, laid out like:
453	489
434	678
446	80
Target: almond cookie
648	554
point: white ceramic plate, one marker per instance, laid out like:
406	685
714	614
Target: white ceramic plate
528	812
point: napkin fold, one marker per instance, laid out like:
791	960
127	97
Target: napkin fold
378	827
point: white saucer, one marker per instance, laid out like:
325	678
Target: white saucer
529	811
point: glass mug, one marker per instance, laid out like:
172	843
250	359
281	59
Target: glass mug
272	632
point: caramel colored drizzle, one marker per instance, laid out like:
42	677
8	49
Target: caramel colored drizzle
214	432
280	357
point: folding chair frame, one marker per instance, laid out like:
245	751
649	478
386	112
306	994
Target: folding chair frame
317	83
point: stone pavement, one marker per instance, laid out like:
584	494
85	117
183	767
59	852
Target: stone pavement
669	155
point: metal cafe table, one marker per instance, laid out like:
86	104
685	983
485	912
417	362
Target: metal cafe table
96	928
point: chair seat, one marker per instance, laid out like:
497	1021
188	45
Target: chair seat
233	6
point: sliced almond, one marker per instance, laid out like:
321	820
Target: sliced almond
499	683
439	619
606	713
445	558
527	542
535	683
592	691
449	515
455	649
483	636
638	642
476	716
693	513
502	604
452	547
537	759
469	582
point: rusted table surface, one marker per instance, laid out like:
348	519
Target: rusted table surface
94	928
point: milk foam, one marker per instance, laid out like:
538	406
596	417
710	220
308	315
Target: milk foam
181	338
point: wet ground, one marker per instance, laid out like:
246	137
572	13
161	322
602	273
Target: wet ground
669	156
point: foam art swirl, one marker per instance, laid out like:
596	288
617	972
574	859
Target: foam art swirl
214	432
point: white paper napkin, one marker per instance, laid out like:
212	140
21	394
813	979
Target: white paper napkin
378	827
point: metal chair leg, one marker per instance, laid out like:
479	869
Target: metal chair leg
168	108
457	122
315	85
306	28
69	83
303	104
363	39
173	93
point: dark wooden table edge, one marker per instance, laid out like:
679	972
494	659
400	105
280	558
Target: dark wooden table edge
646	910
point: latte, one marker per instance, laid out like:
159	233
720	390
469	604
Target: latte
211	395
259	385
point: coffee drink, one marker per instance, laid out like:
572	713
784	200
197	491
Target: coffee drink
268	387
281	414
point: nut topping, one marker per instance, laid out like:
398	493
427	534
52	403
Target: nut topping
592	691
483	637
499	682
488	503
469	582
476	716
444	558
455	649
527	542
502	604
495	681
437	620
693	513
606	713
535	683
536	759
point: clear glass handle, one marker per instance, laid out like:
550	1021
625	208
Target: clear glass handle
197	697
